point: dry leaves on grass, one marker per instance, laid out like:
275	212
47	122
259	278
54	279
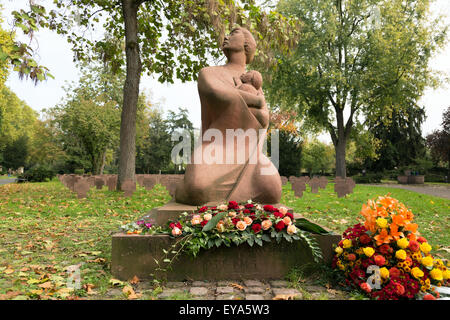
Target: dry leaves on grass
285	297
129	292
237	286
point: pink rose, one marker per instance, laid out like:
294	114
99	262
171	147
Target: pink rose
291	229
196	219
176	232
241	225
232	214
287	221
266	224
207	216
248	220
283	210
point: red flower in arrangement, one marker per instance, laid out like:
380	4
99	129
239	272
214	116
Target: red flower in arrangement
365	286
290	215
235	220
280	226
203	223
414	245
202	209
379	260
385	249
351	257
233	205
365	239
421	239
256	227
269	208
399	289
278	214
247	211
175	224
249	206
429	297
394	272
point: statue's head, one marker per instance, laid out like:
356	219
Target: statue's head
240	39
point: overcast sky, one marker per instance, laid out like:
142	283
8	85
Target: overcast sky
55	53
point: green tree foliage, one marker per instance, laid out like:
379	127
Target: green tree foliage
89	116
317	157
401	140
16	128
153	154
170	38
290	142
439	141
361	59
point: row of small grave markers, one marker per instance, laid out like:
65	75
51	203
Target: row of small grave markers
82	184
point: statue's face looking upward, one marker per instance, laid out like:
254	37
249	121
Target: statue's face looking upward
235	41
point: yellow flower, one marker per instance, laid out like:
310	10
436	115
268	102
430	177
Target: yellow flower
427	261
384	273
347	243
446	274
436	274
382	223
417	273
403	243
400	254
425	247
368	251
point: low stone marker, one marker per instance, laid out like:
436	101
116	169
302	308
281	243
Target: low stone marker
343	186
323	181
128	187
82	187
99	183
284	180
149	182
314	184
299	187
112	182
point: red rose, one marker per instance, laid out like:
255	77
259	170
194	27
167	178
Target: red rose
235	220
256	227
385	249
414	245
290	215
247	211
202	209
421	239
351	257
280	225
379	260
269	208
233	205
394	272
365	286
203	223
429	297
249	206
365	239
172	225
178	225
399	289
278	214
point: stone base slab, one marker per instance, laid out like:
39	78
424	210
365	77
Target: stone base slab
134	255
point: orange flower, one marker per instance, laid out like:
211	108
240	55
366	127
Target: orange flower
383	237
397	219
381	212
412	237
394	232
367	211
371	224
411	227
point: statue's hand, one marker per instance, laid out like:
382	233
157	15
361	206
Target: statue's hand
237	81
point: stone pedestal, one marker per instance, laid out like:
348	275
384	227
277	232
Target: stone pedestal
134	255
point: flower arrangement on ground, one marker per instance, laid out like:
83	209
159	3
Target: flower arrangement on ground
232	224
386	258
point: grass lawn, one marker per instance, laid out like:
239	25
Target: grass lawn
44	229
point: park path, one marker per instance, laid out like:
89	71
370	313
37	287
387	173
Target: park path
6	181
441	191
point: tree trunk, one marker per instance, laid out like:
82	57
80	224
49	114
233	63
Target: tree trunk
127	153
340	144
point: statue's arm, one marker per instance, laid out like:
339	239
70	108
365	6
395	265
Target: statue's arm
252	100
210	85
